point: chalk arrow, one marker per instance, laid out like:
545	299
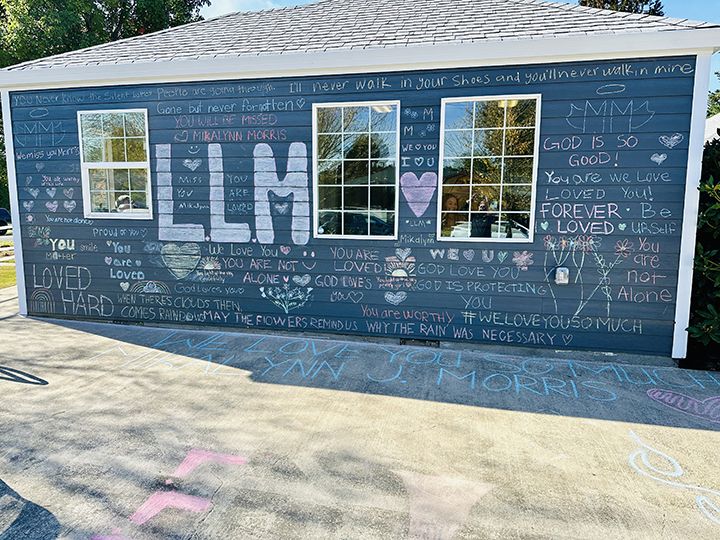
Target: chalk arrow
160	500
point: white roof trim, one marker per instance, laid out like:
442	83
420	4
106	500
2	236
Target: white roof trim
489	53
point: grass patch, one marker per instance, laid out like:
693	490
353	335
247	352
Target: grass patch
7	276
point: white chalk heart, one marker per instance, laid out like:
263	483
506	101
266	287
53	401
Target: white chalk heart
125	286
658	158
469	254
622	226
192	164
671	141
180	259
52	206
502	255
39	166
69	192
301	280
544	225
403	253
69	205
51	192
28	205
108	260
33	191
182	136
395	298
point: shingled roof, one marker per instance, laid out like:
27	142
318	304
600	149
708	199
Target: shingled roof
335	25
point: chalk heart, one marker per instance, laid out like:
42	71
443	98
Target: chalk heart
300	102
301	280
28	180
671	141
182	136
622	226
418	192
28	205
355	296
69	192
109	242
124	286
403	253
502	255
33	191
52	206
39	166
395	298
285	249
180	259
469	254
108	260
658	158
192	164
51	191
567	338
69	205
544	225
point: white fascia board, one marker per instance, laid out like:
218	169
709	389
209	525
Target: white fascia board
484	53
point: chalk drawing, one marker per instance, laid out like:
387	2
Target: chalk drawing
610	116
440	505
658	158
167	229
295	183
671	141
150	287
395	298
160	500
197	457
642	461
192	164
418	192
41	301
180	259
523	259
28	205
286	298
221	230
69	205
708	409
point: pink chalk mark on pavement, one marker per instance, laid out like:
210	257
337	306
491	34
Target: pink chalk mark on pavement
116	535
197	457
160	500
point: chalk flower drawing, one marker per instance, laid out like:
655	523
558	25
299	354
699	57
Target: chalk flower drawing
623	248
643	461
523	259
286	298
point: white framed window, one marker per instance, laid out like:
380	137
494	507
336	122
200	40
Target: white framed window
489	150
115	164
356	158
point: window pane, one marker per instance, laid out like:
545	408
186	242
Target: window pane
98	179
356	146
514	226
458	143
483	224
456	171
516	198
91	125
99	201
489	114
122	202
382	198
113	125
114	150
488	142
356	198
138	200
519	142
136	149
522	114
356	172
329	198
330	172
455	198
382	223
382	172
458	115
355	223
485	198
119	179
138	179
329	146
518	171
329	223
356	119
383	118
92	150
135	124
455	224
487	170
382	145
329	120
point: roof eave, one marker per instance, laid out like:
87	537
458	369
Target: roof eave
480	53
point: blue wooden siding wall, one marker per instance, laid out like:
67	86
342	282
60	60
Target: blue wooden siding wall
612	165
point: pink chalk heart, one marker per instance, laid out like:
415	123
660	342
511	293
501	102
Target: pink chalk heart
52	206
418	192
708	409
285	249
108	260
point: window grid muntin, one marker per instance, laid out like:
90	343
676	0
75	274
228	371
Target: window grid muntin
86	166
393	158
500	212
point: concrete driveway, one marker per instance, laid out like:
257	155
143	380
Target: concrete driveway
123	432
